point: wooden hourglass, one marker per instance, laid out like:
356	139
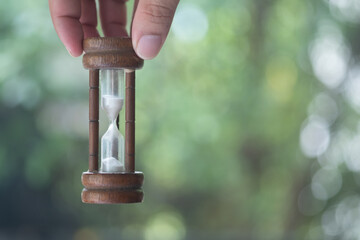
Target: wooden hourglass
116	181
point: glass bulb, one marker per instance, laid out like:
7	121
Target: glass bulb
112	91
112	150
112	101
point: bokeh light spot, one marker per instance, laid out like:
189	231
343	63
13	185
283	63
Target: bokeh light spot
352	88
329	224
281	76
326	183
164	226
329	57
190	23
348	10
325	107
314	137
85	234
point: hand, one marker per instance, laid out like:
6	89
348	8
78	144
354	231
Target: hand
75	20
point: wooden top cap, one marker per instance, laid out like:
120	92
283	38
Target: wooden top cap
109	53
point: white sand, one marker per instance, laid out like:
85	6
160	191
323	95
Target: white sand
112	106
111	165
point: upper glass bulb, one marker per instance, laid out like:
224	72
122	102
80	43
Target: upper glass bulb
112	92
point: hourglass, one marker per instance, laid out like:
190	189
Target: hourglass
114	61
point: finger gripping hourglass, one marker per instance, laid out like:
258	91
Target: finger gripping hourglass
114	61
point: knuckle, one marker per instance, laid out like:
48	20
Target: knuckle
158	13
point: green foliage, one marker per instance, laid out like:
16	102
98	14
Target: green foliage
218	124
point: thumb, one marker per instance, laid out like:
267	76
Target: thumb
151	25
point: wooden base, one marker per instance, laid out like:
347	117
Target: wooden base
96	196
110	188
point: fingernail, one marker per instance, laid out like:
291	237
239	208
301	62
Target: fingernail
148	46
68	49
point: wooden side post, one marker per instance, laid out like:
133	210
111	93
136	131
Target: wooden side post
93	120
130	121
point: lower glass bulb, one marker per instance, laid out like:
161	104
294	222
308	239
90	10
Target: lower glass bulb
112	150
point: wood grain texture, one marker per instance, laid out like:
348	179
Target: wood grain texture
93	120
130	121
110	53
107	188
111	196
120	180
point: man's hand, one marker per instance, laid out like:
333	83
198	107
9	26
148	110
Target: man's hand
75	20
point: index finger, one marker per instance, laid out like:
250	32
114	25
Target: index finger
65	15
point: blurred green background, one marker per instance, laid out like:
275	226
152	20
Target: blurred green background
247	126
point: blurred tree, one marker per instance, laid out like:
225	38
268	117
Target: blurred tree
235	134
